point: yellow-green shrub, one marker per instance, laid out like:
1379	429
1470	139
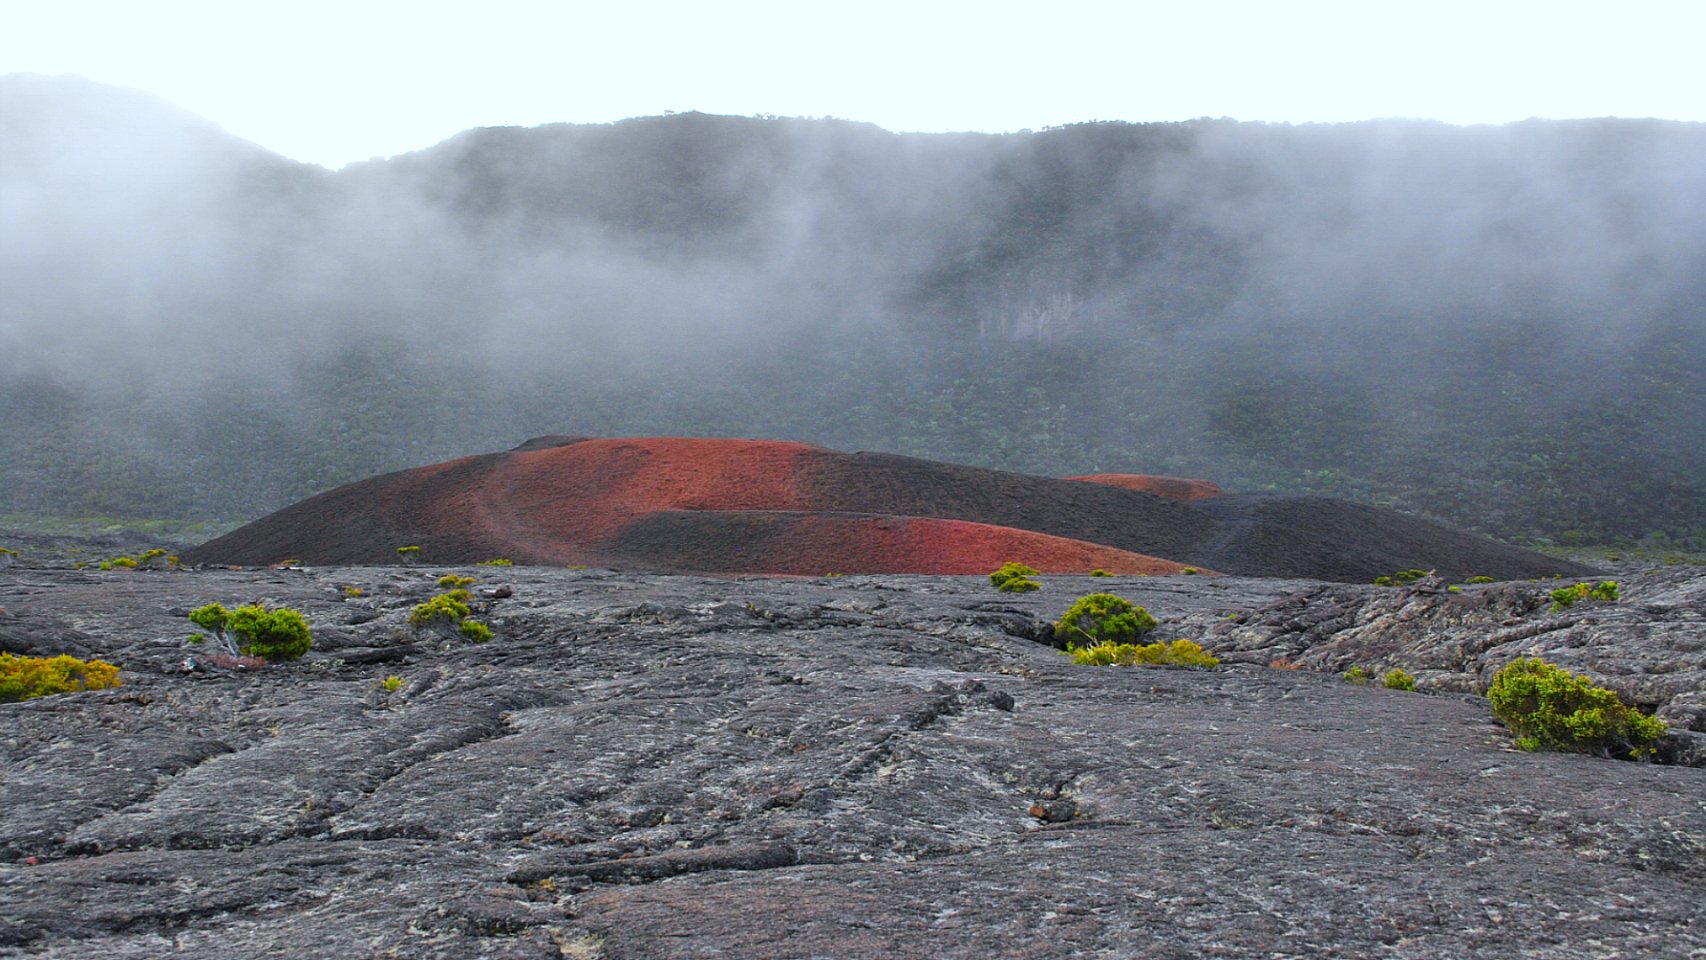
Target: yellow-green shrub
451	606
253	630
1397	679
1099	618
1550	709
1014	578
1179	653
1564	597
24	678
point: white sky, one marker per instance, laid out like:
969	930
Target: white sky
334	82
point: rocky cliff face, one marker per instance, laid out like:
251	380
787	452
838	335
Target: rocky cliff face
650	766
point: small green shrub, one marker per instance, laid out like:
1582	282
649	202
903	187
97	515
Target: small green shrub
1355	675
1099	572
1479	579
1190	571
449	607
1548	708
408	554
453	580
253	630
449	612
391	684
1397	679
1179	653
128	563
350	593
1401	578
1564	597
1102	618
1014	577
25	678
498	562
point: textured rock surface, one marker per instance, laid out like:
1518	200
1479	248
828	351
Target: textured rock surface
647	766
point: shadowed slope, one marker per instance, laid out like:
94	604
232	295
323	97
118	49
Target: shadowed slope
718	505
1174	488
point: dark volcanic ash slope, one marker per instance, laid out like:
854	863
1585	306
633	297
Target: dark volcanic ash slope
612	503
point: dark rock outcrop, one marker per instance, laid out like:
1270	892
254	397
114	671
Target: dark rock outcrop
861	767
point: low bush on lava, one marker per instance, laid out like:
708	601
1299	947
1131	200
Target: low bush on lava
1179	653
1548	708
253	631
1565	597
1100	618
1401	578
1397	679
1014	577
25	678
450	611
453	581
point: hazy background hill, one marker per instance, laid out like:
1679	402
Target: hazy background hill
1503	327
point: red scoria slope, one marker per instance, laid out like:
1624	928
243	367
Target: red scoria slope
752	506
679	504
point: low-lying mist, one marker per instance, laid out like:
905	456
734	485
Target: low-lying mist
1504	327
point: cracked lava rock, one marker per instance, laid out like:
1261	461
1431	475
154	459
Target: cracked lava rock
648	766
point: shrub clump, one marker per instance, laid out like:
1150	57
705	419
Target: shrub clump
450	610
1398	679
1563	597
451	606
253	630
1401	578
1102	618
453	581
1548	708
1014	578
25	678
1179	653
496	562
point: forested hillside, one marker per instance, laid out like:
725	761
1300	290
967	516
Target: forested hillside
1501	327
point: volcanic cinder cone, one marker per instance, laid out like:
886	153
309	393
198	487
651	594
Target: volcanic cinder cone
751	506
